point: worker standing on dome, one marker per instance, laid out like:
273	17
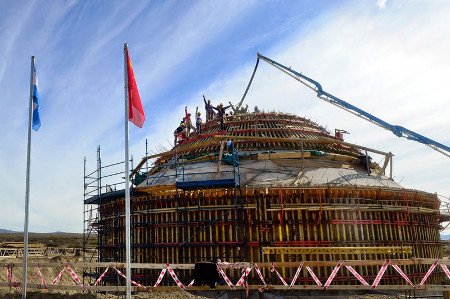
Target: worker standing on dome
209	109
188	122
339	134
221	113
230	146
198	123
178	133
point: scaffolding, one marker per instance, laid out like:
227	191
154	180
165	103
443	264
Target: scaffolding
105	182
104	211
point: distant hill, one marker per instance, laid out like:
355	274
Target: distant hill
6	231
445	237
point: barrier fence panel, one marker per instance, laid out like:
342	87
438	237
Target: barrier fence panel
244	270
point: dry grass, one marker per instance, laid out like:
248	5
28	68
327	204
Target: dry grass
67	240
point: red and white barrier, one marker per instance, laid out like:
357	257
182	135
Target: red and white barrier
297	273
58	277
132	281
397	268
10	276
446	271
356	274
43	282
246	268
55	281
245	271
101	277
260	275
332	275
311	272
161	275
278	274
74	276
225	277
244	276
380	274
424	279
175	278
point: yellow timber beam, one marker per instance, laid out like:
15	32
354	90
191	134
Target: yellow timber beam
337	250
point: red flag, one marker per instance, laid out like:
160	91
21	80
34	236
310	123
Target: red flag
136	112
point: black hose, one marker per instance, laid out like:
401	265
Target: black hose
251	80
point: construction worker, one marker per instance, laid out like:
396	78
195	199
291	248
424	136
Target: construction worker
209	109
230	146
198	123
178	131
187	122
238	109
339	134
221	113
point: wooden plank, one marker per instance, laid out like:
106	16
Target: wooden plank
349	207
336	250
283	155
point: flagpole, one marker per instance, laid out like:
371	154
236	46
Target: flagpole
27	192
127	182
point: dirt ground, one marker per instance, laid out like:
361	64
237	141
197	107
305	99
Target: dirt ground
148	295
374	296
43	295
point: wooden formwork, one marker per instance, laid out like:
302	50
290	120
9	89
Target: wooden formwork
276	225
258	132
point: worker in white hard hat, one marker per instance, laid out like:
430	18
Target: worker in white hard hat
198	123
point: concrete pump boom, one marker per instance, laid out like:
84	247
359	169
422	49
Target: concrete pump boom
316	87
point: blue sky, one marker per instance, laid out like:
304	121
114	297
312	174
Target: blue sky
388	57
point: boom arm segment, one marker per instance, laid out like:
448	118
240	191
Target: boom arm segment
316	87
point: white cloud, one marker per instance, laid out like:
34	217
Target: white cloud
381	4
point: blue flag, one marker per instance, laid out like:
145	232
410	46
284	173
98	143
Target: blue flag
36	120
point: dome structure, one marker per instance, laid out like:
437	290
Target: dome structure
270	187
274	149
